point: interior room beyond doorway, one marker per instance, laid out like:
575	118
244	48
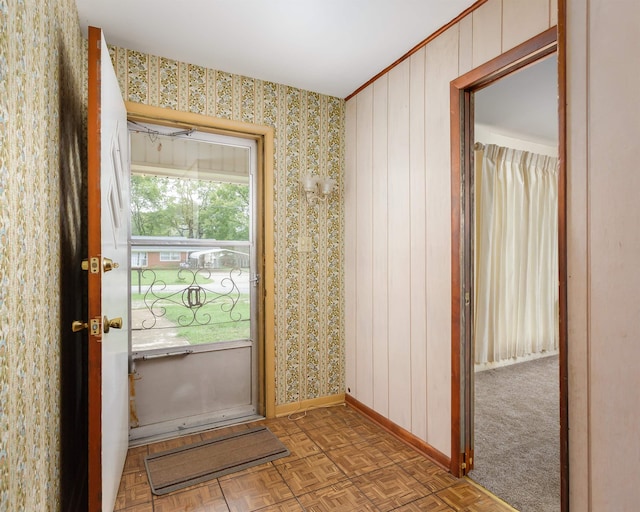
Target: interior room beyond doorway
516	333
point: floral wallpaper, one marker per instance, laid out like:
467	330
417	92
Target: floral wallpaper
41	117
309	136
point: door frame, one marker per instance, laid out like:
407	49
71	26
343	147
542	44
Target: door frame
546	43
264	135
94	350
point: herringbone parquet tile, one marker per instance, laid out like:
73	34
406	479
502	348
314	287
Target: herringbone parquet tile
429	474
390	488
336	417
358	459
466	497
396	450
279	426
343	496
291	505
339	462
429	503
329	438
135	459
311	473
134	490
255	490
300	446
202	497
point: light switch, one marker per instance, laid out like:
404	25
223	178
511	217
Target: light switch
304	244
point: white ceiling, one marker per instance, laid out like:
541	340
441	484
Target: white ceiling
326	46
523	105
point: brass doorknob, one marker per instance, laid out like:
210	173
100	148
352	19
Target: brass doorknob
78	325
107	324
107	264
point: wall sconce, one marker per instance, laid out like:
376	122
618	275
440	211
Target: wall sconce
317	188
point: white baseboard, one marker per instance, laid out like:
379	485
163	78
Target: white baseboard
480	367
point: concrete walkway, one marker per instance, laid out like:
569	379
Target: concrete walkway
161	336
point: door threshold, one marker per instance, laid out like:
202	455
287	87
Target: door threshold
196	429
487	491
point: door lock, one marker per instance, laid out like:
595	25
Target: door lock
95	326
78	325
107	264
115	323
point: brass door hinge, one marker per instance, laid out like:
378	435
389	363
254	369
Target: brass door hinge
466	463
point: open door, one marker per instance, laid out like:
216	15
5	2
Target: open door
462	292
108	277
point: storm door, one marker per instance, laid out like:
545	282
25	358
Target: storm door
195	281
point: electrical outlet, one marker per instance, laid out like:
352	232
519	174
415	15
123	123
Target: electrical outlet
304	244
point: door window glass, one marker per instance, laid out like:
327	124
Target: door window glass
191	241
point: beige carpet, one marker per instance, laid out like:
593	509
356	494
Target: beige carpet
188	465
517	434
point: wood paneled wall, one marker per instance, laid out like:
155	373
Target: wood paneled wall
397	220
603	126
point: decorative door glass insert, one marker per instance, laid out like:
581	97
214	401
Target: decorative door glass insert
191	242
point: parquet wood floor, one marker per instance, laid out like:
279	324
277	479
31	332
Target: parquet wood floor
339	462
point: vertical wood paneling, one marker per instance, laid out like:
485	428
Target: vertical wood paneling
418	245
577	258
364	248
487	32
400	151
380	250
350	237
441	68
614	248
399	278
465	45
523	20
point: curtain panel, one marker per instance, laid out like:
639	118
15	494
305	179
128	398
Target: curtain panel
516	254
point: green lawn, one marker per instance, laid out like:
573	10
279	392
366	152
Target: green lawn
219	323
169	276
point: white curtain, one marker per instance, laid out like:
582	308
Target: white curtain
516	244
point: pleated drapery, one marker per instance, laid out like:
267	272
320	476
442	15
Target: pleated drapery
516	254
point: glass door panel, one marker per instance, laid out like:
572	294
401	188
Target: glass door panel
193	279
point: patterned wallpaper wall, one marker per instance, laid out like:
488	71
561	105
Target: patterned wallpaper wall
41	118
309	136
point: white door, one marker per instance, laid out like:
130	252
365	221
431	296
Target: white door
108	282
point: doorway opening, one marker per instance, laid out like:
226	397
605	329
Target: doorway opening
201	343
194	281
464	257
515	291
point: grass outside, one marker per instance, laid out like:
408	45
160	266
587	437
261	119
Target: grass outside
219	323
169	276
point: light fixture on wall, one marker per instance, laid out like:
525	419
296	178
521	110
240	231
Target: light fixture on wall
317	188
